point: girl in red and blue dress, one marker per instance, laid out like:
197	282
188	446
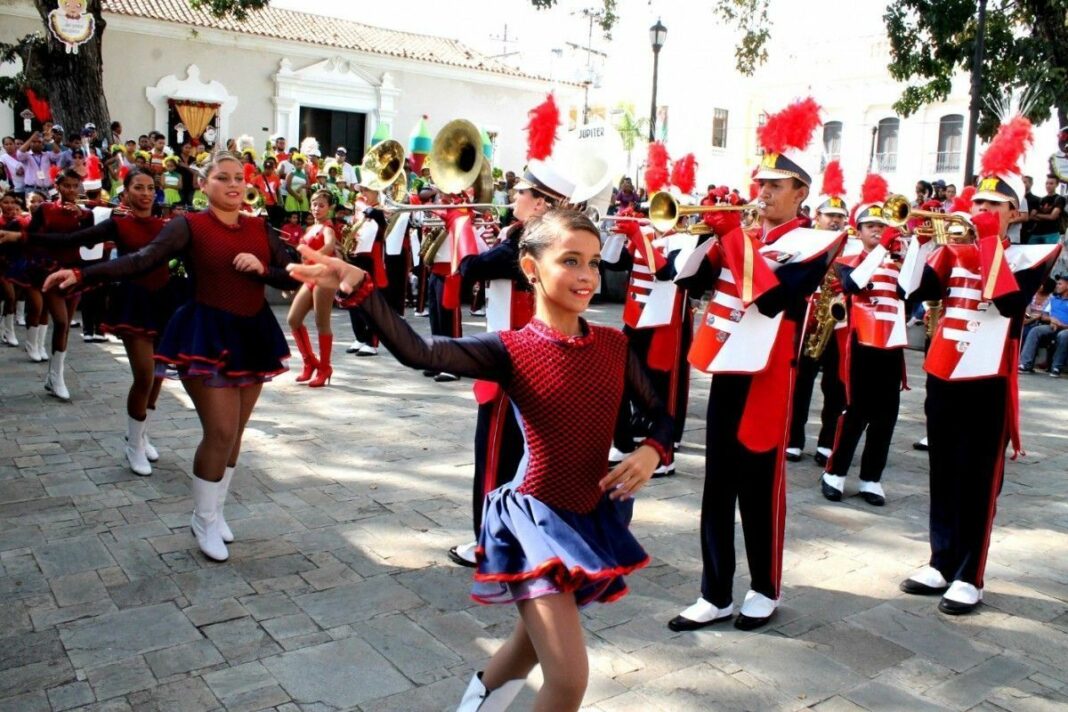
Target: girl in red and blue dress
557	537
225	342
138	309
319	237
11	218
41	259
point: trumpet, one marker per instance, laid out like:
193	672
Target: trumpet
898	212
665	211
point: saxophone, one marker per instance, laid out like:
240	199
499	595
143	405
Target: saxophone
932	317
830	310
430	245
349	235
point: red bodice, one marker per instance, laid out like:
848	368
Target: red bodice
133	234
214	246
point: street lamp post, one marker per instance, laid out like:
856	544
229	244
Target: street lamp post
657	36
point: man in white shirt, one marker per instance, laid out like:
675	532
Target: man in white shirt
346	170
15	171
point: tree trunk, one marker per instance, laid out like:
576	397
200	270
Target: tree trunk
73	83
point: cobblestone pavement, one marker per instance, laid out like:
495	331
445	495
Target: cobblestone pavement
338	594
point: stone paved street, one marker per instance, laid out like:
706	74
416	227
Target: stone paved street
338	594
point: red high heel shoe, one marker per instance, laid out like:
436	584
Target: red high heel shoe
310	367
326	343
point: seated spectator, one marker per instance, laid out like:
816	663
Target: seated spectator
1053	322
1037	305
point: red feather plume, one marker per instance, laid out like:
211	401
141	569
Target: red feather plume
968	193
656	171
92	167
875	189
684	173
1011	142
541	130
790	128
833	180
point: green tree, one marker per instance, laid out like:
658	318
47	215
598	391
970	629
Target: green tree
74	83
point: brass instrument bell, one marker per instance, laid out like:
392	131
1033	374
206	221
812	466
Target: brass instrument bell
665	211
456	157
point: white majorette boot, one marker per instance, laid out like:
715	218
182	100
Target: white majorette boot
205	521
150	451
224	528
42	337
478	699
31	344
20	312
135	447
55	384
8	331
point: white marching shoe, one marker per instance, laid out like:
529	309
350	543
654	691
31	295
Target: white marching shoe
700	615
31	344
961	598
7	331
150	450
205	521
367	350
54	383
135	447
757	609
224	528
42	338
478	699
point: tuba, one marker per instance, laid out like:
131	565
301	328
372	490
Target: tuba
428	250
830	310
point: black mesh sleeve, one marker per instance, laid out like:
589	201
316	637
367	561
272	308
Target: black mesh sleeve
172	240
482	356
640	391
86	237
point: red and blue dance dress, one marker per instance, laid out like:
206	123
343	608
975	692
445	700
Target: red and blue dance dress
226	332
41	258
551	530
141	306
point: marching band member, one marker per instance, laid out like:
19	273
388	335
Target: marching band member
657	317
398	258
748	338
831	214
368	253
499	442
874	358
972	397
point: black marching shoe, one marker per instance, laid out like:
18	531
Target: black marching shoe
830	492
793	454
464	555
700	615
920	445
821	458
928	581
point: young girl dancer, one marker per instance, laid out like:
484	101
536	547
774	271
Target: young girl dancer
139	309
318	237
10	219
225	342
556	538
64	215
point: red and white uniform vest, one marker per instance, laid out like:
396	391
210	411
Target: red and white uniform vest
733	336
877	313
647	260
396	237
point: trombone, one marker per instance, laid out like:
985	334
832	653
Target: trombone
665	211
898	212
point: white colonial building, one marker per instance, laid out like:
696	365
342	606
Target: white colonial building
297	74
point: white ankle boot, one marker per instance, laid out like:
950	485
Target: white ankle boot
42	338
7	333
20	312
224	528
135	448
31	344
205	521
150	451
55	384
478	699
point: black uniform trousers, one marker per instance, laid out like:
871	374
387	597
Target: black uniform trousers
756	481
443	322
631	427
874	397
397	274
499	448
361	325
967	431
834	397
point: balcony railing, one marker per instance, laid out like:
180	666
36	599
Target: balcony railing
947	161
886	162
